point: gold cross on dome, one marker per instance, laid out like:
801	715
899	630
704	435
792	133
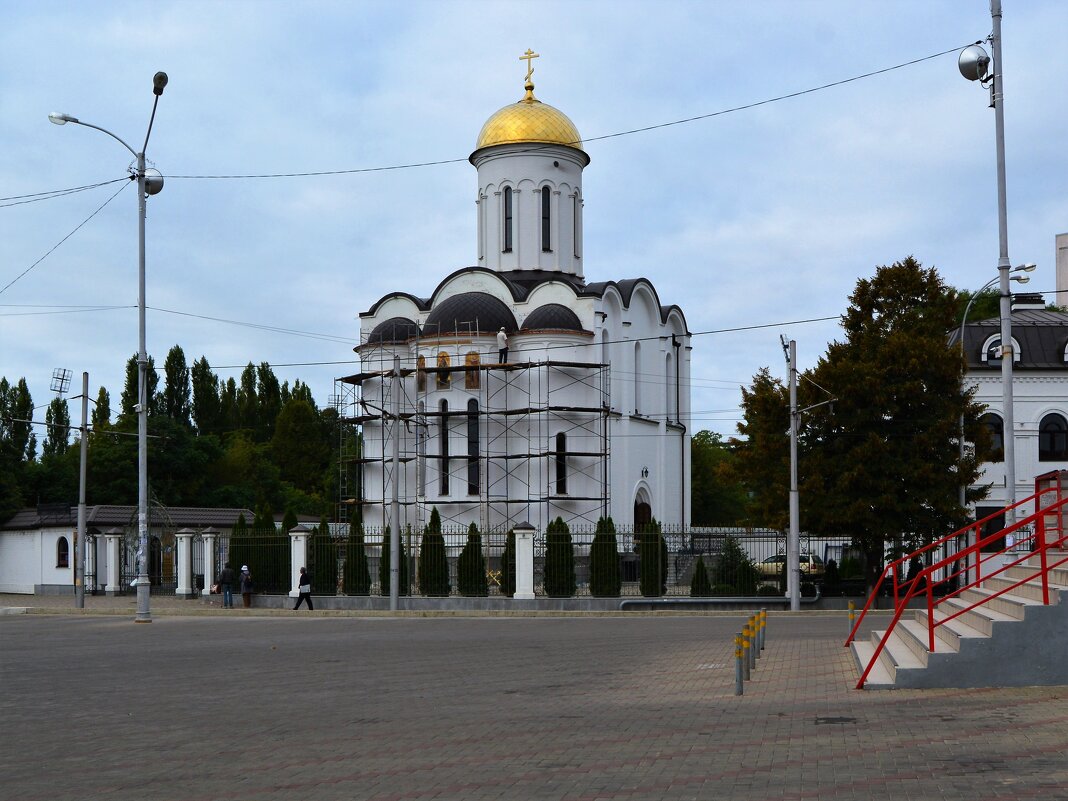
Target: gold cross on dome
529	56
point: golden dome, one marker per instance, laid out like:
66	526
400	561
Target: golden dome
529	120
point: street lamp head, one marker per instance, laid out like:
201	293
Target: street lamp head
973	63
159	80
1020	279
61	119
153	182
1026	268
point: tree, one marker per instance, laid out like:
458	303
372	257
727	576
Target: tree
129	391
268	401
384	566
100	415
57	428
298	446
322	557
247	406
206	406
700	586
228	407
762	463
653	559
559	560
433	572
885	462
357	576
471	566
176	392
605	577
734	569
508	565
719	498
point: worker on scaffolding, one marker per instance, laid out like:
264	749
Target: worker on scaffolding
502	346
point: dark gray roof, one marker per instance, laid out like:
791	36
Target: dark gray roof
395	329
1041	334
108	516
554	316
469	313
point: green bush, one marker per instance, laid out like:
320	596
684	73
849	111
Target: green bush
384	566
559	561
851	568
605	577
653	556
508	566
734	567
769	590
433	560
831	575
723	591
357	575
700	586
471	567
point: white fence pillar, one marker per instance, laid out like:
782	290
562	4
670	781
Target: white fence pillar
211	570
298	556
112	565
184	538
524	561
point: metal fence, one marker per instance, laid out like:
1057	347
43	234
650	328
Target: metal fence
626	564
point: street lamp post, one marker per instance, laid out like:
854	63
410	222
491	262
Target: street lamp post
149	182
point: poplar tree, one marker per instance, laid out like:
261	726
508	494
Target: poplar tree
471	566
605	577
176	392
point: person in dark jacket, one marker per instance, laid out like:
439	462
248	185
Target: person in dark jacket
226	584
305	590
246	586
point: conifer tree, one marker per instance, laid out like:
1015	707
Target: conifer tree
57	428
433	560
206	405
700	586
735	569
559	560
508	566
653	556
471	567
605	577
100	416
357	576
322	556
176	393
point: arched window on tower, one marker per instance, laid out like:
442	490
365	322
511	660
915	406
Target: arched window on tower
443	436
995	427
420	448
561	464
62	552
472	447
546	219
1053	438
637	377
506	201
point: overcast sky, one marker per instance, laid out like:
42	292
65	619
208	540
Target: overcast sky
756	217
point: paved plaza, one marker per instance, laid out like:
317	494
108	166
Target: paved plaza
199	706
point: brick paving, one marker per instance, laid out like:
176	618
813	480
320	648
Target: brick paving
203	705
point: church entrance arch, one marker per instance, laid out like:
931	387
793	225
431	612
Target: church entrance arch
643	509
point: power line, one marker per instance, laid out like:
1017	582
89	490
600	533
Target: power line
36	197
294	332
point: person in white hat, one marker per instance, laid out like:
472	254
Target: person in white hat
502	346
246	586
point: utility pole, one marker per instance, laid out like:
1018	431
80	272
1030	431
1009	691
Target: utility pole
793	541
394	531
79	540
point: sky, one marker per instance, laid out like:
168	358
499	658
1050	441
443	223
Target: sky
753	221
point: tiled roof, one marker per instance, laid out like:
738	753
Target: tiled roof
1041	334
109	516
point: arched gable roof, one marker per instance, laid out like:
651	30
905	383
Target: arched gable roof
626	288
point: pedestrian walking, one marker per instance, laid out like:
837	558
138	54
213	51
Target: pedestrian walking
226	584
502	346
305	591
246	586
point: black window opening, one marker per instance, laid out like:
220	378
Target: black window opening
507	219
472	448
561	464
62	552
443	433
546	220
992	526
1053	439
996	429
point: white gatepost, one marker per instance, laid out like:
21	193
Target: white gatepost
524	561
113	537
90	565
211	570
184	538
298	556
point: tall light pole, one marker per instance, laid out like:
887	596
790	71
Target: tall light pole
975	64
148	183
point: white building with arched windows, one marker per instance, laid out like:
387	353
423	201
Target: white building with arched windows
1040	395
587	414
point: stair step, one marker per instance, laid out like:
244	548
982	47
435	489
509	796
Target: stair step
879	678
1029	590
896	654
1058	576
980	618
1009	604
949	631
915	636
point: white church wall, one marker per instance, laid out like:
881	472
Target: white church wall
20	561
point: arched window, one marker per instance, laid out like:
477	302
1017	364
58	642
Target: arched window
507	203
420	448
444	376
637	377
62	552
1053	438
546	219
420	373
561	464
471	377
443	444
669	390
472	447
996	428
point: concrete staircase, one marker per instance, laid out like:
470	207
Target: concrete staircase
1013	640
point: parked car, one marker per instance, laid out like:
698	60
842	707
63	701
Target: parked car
811	565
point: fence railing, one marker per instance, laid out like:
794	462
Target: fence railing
699	562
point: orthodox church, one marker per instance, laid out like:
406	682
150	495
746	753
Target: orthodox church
518	391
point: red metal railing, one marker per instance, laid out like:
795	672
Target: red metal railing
1034	535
